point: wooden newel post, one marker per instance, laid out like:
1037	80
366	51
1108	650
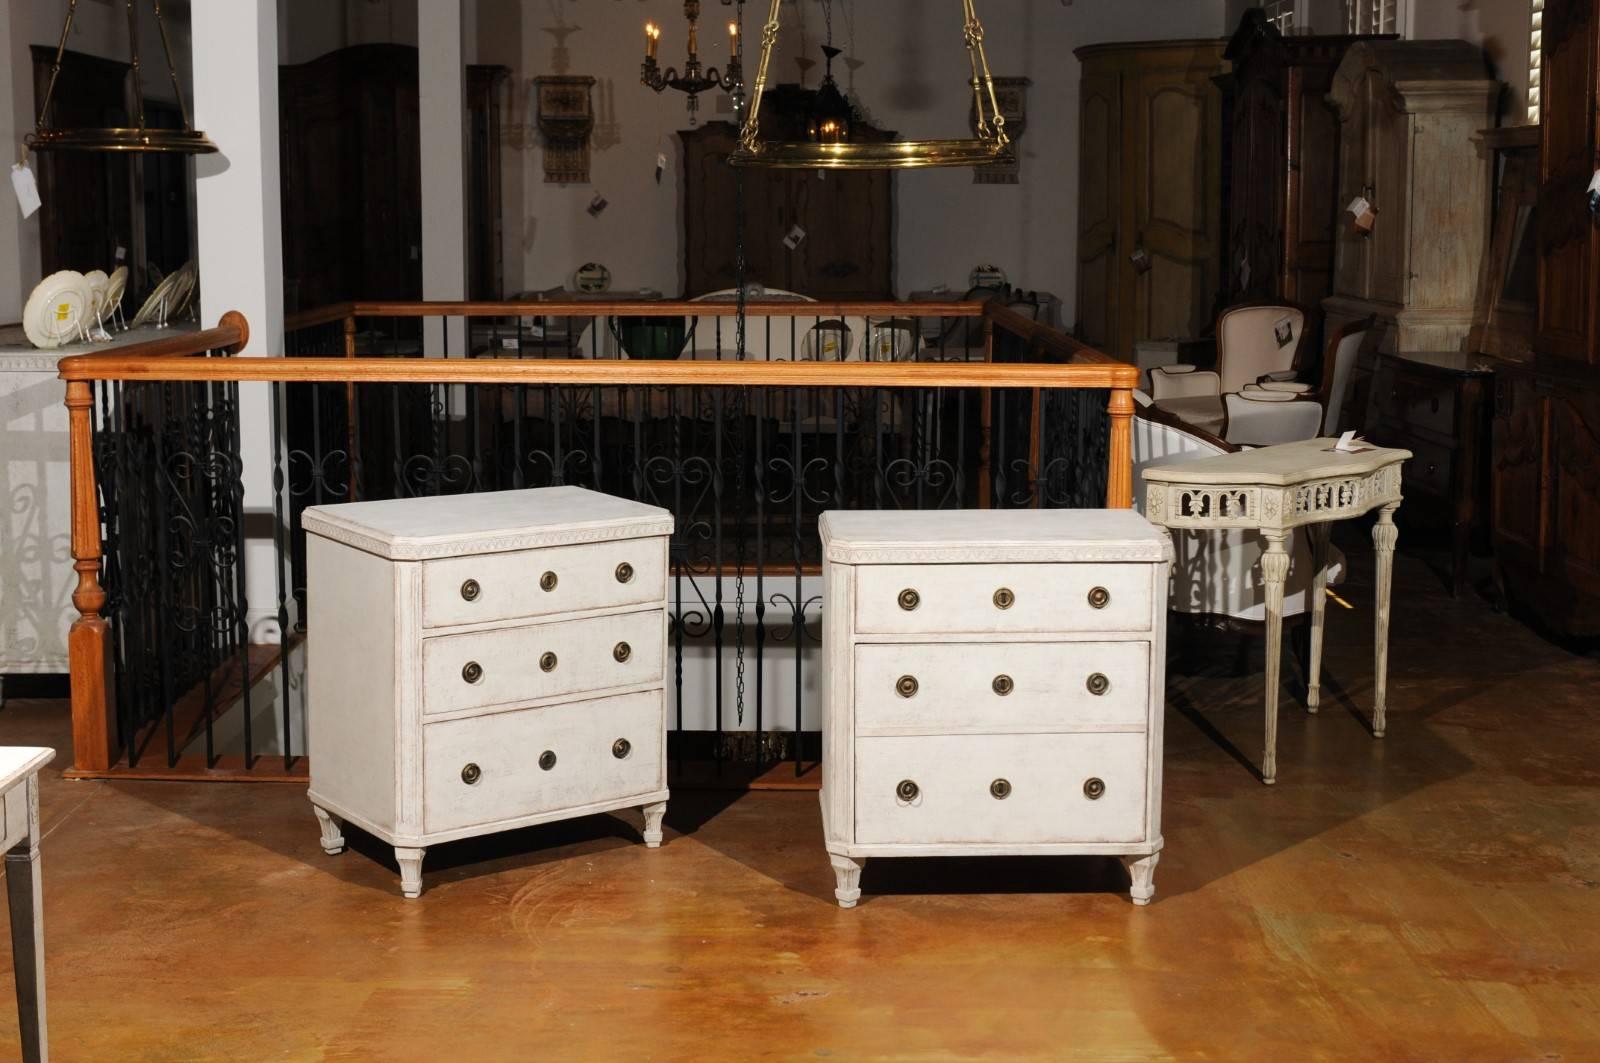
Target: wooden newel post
94	729
1119	473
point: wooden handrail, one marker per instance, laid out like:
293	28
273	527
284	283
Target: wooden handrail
131	364
634	308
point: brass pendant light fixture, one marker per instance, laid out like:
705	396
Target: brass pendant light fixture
990	145
185	141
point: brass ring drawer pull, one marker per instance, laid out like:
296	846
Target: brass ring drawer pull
547	661
1000	789
621	748
1093	789
1099	598
622	651
1003	685
906	686
472	671
547	759
470	590
471	774
624	573
1098	684
906	790
1004	598
909	599
548	581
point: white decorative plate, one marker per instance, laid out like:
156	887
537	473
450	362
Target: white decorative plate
57	311
98	284
115	286
161	294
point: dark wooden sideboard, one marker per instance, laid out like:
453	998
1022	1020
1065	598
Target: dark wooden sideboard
1437	405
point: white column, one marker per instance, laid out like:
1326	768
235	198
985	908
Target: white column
442	105
240	237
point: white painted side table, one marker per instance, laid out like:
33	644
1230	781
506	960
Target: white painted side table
1276	490
481	663
994	685
19	837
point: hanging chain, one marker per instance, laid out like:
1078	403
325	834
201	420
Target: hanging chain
55	68
133	49
827	20
769	36
982	80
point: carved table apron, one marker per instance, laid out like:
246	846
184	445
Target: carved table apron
1275	490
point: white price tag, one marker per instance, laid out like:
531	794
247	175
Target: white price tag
796	236
122	252
27	190
661	165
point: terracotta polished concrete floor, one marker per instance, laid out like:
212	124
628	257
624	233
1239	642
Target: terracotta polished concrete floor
1434	896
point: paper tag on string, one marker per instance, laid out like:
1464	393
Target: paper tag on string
1283	331
26	188
1349	444
796	236
122	252
661	165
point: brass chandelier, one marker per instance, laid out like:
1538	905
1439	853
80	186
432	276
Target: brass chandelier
185	141
839	153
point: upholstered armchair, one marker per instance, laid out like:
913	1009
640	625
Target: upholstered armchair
1255	341
1282	411
1216	573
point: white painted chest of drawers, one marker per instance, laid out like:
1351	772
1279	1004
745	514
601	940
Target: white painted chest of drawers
994	685
480	663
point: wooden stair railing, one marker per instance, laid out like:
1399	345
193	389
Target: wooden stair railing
177	358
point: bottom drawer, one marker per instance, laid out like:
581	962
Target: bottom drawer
1048	783
513	776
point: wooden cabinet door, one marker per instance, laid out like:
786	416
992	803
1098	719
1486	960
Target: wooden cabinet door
1099	206
1388	164
1575	490
1517	502
846	216
1350	267
1176	215
1312	214
1255	238
1569	242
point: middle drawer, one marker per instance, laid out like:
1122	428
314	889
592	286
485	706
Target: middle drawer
541	661
985	687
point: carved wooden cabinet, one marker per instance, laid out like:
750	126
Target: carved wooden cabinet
1283	145
1436	404
1149	192
994	684
483	663
847	217
1546	506
1408	112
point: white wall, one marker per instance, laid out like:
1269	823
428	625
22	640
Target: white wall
909	72
97	29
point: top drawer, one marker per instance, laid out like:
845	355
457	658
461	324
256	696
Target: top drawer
1002	599
557	579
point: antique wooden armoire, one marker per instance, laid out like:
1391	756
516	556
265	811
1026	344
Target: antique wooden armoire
846	217
1149	192
1284	163
1546	464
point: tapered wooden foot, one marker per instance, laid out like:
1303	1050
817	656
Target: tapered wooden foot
332	831
1142	872
410	861
847	874
1384	537
652	824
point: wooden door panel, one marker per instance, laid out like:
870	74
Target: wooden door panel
1569	246
1176	213
1517	462
1575	487
1314	178
1099	208
1351	248
1389	148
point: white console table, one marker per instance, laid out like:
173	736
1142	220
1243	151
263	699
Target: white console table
1276	490
19	839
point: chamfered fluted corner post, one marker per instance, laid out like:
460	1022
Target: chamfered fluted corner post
1119	457
94	730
